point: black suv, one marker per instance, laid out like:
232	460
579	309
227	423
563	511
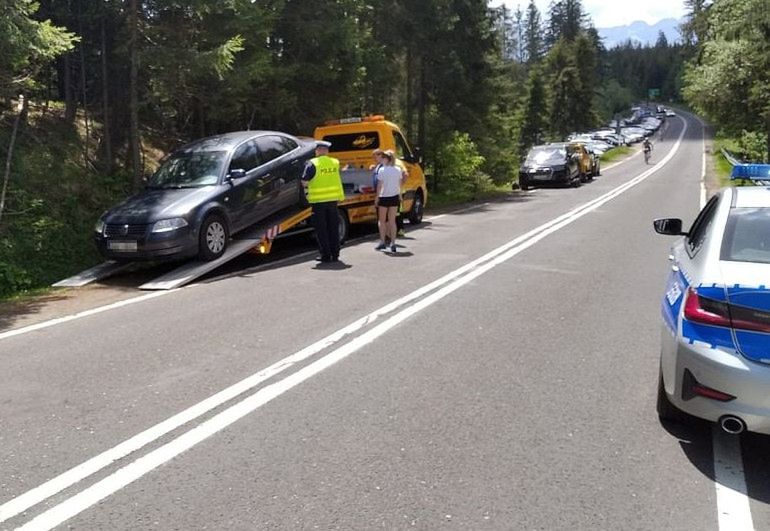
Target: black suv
549	164
204	192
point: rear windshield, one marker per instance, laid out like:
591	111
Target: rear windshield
747	236
366	141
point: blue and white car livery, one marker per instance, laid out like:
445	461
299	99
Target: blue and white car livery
715	354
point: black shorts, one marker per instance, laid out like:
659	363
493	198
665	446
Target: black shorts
391	201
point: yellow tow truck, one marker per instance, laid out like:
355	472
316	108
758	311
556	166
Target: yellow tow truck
353	141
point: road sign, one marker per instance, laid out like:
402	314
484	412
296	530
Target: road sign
653	93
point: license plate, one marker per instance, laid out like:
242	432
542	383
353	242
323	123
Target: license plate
121	246
541	177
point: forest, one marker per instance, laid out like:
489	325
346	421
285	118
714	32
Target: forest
94	93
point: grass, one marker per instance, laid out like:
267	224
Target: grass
616	153
440	200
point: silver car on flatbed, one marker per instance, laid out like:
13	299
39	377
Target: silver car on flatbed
715	355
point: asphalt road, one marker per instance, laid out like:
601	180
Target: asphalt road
499	372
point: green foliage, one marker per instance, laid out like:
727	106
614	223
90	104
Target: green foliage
46	230
458	166
729	80
26	44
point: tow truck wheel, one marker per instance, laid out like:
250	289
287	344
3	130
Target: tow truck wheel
344	224
212	239
418	206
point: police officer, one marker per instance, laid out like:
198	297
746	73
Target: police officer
324	189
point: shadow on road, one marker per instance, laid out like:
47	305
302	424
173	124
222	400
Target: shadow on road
11	312
695	439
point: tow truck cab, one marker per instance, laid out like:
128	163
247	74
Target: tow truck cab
354	139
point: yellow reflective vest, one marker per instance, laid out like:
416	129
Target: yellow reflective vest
326	185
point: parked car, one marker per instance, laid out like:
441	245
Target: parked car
585	160
715	353
204	192
549	164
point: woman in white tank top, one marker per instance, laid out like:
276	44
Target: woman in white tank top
389	179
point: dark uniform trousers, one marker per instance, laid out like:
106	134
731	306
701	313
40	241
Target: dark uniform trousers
327	229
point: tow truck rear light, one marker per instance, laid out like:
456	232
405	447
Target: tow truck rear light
709	311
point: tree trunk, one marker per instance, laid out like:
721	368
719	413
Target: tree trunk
83	86
136	159
409	92
70	106
107	137
20	118
421	103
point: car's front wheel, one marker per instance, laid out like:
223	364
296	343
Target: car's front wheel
418	206
213	237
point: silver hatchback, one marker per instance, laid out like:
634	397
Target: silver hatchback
715	353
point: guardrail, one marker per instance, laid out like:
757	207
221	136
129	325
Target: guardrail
732	160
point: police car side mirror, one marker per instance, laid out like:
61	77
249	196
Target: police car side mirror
669	226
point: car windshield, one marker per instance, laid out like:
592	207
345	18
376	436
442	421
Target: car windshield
546	155
189	170
747	236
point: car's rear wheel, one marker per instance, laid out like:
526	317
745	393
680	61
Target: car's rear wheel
666	410
213	237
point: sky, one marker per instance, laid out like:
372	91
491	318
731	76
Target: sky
609	13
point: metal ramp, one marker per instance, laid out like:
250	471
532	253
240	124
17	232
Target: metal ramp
93	274
261	234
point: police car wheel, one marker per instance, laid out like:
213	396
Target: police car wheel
667	410
213	237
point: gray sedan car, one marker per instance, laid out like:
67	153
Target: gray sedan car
715	355
204	192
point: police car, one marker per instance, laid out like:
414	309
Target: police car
715	355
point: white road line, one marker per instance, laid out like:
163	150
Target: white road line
733	509
458	278
732	499
34	496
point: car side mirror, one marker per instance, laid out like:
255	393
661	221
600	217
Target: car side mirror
417	157
236	173
669	226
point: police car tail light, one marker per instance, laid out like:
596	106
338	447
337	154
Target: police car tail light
750	319
708	311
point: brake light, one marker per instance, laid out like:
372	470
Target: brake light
702	310
750	319
709	311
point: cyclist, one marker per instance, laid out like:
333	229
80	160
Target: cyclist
647	147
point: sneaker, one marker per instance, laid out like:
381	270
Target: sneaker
380	246
401	233
393	248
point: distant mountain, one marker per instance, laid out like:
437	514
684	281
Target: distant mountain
641	32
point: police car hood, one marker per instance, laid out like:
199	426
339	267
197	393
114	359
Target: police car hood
747	287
